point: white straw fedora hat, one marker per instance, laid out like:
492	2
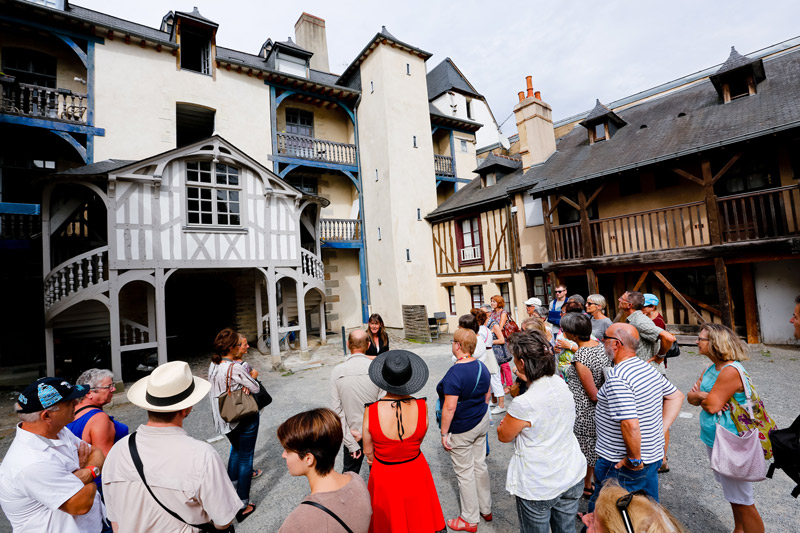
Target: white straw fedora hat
170	387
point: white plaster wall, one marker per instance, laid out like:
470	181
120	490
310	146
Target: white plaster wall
777	285
137	90
405	182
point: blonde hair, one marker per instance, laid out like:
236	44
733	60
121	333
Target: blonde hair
534	324
724	344
646	515
467	339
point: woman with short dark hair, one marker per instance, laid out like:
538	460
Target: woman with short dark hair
311	442
547	468
584	378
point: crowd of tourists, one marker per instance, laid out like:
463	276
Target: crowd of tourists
583	399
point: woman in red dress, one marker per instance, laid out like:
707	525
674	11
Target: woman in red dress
404	498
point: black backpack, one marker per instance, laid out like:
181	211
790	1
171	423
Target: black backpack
786	453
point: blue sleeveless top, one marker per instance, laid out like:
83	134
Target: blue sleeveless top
708	422
77	427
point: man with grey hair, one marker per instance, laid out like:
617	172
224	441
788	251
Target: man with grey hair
91	423
635	406
46	478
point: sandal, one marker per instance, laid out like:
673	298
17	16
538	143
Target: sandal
587	492
241	516
487	517
257	473
664	468
459	524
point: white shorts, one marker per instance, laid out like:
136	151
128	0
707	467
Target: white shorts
497	386
735	491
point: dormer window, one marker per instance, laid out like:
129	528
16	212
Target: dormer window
599	132
297	66
738	77
601	123
491	179
195	52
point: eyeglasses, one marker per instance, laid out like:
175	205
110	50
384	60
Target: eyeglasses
609	337
245	343
109	387
622	506
702	339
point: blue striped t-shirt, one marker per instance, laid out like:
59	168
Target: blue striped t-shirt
633	389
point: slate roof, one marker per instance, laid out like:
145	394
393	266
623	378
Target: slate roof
349	72
195	14
446	77
708	123
498	161
734	61
94	169
114	23
600	111
472	197
293	47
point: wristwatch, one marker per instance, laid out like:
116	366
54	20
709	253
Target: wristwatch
636	463
94	471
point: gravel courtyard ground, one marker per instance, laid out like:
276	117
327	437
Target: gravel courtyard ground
688	490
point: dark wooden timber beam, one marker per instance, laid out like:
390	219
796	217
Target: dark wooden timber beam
712	207
679	296
594	196
727	166
725	306
688	176
586	236
750	304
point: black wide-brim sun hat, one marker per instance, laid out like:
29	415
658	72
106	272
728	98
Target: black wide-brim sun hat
399	372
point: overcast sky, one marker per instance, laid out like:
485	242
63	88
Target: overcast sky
576	51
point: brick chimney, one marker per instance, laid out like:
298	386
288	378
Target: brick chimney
309	33
534	117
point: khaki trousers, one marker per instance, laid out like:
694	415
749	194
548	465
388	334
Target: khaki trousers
469	462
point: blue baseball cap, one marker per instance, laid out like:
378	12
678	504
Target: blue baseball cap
46	392
650	299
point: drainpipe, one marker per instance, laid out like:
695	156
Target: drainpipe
363	264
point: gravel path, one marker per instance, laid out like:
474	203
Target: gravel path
688	490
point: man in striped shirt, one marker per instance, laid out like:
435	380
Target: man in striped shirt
635	406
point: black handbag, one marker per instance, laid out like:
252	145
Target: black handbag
674	351
262	397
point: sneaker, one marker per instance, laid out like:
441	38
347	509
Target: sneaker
498	410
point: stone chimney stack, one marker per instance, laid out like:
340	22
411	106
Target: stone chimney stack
309	32
534	117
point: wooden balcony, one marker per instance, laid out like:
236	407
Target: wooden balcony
19	221
755	216
302	147
43	102
339	230
443	165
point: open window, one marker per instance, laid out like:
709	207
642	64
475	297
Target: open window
196	50
468	240
193	123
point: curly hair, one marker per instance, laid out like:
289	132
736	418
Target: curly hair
723	343
480	315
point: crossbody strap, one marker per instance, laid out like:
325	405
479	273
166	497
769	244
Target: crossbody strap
137	461
480	371
320	506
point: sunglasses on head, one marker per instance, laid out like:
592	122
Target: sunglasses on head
622	506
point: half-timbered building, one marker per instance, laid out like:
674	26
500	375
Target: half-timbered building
129	243
688	191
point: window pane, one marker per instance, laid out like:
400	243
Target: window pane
205	194
206	218
222	219
235	220
194	205
194	218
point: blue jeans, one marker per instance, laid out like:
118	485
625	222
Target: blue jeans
556	515
630	480
240	463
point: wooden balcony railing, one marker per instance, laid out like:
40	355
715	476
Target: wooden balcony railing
310	148
339	229
567	242
19	221
443	165
760	215
43	102
679	226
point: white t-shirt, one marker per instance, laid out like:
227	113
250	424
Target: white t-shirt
547	458
484	346
36	479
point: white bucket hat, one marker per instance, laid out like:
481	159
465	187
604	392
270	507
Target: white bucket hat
533	301
170	387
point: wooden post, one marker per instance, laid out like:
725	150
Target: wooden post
50	356
586	235
161	318
272	305
113	322
619	290
750	304
259	314
301	320
548	232
553	279
592	280
724	292
712	209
